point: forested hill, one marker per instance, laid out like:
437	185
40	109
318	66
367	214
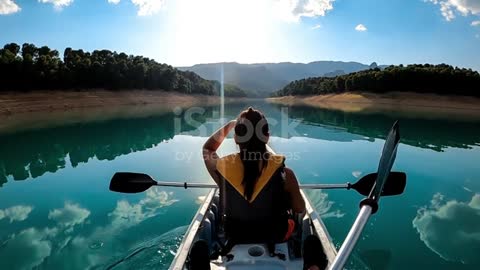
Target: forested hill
28	68
269	77
438	79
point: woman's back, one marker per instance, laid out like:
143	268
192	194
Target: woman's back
257	190
263	217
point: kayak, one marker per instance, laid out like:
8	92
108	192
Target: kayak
206	236
249	256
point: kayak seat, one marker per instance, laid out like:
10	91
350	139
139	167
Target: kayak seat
256	256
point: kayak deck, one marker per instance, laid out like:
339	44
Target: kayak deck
255	256
249	256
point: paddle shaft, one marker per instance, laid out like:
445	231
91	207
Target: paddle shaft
369	206
352	238
202	185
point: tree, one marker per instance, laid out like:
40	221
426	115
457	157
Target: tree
29	51
35	68
440	79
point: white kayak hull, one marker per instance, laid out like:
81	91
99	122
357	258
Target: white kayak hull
250	256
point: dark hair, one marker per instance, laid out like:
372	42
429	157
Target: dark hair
252	134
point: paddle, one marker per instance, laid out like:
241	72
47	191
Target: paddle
128	182
387	159
369	206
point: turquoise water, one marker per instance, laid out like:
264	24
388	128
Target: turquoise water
56	211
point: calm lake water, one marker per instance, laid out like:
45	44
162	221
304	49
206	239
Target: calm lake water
56	211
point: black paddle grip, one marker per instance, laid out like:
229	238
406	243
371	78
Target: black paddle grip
370	202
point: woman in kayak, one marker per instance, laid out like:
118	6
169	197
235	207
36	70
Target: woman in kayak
259	194
257	189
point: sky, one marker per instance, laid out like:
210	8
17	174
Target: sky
187	32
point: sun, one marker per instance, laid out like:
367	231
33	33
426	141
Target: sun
221	31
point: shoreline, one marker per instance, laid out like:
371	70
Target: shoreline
14	103
40	109
394	103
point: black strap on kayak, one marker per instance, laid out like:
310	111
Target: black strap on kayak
198	259
271	251
313	253
223	249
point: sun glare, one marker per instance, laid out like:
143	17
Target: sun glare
222	30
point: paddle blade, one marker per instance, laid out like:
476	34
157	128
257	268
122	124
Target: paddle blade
127	182
394	185
386	161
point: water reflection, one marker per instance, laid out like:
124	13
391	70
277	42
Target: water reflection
84	225
434	134
377	259
35	245
69	216
33	153
322	204
16	213
451	228
30	154
127	215
48	247
163	248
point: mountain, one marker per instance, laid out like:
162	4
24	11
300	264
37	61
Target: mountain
268	77
255	78
334	73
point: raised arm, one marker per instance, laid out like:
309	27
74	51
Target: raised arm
210	148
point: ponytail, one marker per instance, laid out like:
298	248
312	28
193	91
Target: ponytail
252	133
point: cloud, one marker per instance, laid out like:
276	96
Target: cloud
148	7
451	229
356	174
155	198
70	215
449	8
322	205
317	26
127	215
8	7
289	10
32	245
36	245
294	10
57	4
114	1
16	213
48	247
361	28
200	199
475	23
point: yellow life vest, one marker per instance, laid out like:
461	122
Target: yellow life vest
231	169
